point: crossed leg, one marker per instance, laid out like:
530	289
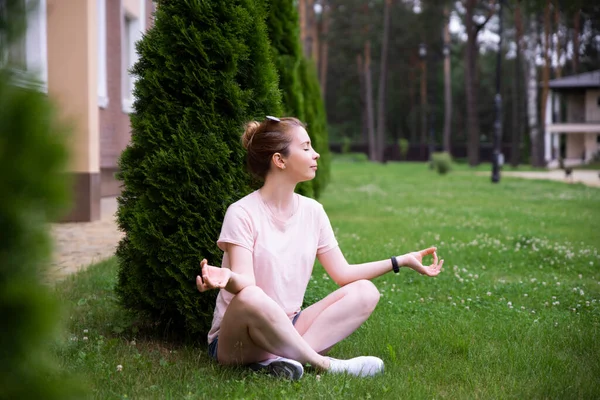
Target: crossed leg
255	328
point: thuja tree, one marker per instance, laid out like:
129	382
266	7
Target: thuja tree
316	121
204	70
33	156
299	85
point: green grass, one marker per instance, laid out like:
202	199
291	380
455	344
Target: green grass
515	313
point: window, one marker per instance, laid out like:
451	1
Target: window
29	52
102	73
133	26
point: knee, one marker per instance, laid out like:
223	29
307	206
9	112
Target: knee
367	293
254	300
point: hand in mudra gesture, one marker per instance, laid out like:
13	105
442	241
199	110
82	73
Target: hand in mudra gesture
212	277
414	260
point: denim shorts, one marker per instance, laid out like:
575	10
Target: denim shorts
213	346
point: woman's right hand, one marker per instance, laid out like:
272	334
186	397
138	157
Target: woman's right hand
212	277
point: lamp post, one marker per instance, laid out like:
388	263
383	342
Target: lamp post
498	106
424	107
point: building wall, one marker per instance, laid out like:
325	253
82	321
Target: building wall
592	105
575	106
575	145
115	129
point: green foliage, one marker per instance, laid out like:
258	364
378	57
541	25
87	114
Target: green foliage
403	145
316	123
346	143
442	162
204	70
33	157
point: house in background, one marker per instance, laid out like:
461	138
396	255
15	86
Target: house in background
81	51
581	123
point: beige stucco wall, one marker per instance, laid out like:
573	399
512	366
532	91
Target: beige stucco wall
591	145
72	76
132	8
574	145
592	110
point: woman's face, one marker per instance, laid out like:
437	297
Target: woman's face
301	162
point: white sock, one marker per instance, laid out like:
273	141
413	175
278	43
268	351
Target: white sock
358	366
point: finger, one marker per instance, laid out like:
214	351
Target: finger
202	264
428	251
435	258
441	264
200	284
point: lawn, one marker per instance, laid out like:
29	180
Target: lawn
515	313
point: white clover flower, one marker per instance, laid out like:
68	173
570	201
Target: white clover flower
525	295
85	331
580	276
467	307
133	343
522	307
533	311
489	293
119	368
581	292
509	304
85	338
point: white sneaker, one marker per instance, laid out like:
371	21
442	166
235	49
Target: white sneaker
358	366
280	367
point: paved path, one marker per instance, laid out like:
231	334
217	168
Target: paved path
77	245
587	177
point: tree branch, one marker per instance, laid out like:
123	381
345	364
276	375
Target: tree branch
478	27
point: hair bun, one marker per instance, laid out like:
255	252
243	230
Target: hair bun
250	130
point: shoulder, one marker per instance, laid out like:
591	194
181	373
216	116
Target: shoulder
311	205
244	207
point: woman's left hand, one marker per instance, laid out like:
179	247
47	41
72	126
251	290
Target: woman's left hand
414	260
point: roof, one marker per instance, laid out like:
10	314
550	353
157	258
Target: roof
585	80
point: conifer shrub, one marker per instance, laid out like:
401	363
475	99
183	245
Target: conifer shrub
204	70
284	34
442	162
316	121
33	191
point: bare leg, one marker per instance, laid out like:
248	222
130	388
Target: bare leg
334	318
255	328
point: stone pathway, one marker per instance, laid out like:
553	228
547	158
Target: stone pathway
79	244
587	177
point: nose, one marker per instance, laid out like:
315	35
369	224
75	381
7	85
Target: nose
317	156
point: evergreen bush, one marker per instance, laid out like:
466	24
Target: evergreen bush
34	191
204	70
442	162
316	123
284	34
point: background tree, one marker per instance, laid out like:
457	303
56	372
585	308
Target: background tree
204	70
33	158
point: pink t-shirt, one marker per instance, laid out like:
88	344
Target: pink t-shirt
283	252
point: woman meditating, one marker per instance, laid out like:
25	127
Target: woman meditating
270	239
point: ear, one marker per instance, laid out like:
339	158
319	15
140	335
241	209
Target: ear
278	161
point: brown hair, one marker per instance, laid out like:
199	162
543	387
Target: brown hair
263	139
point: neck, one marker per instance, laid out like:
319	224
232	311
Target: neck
278	194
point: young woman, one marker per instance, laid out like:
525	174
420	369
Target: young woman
270	239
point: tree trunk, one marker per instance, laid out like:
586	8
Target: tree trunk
413	104
363	100
515	154
558	70
324	57
303	27
370	113
382	82
470	92
545	86
532	90
576	32
424	108
447	84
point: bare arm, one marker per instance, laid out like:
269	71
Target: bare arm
233	279
343	273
